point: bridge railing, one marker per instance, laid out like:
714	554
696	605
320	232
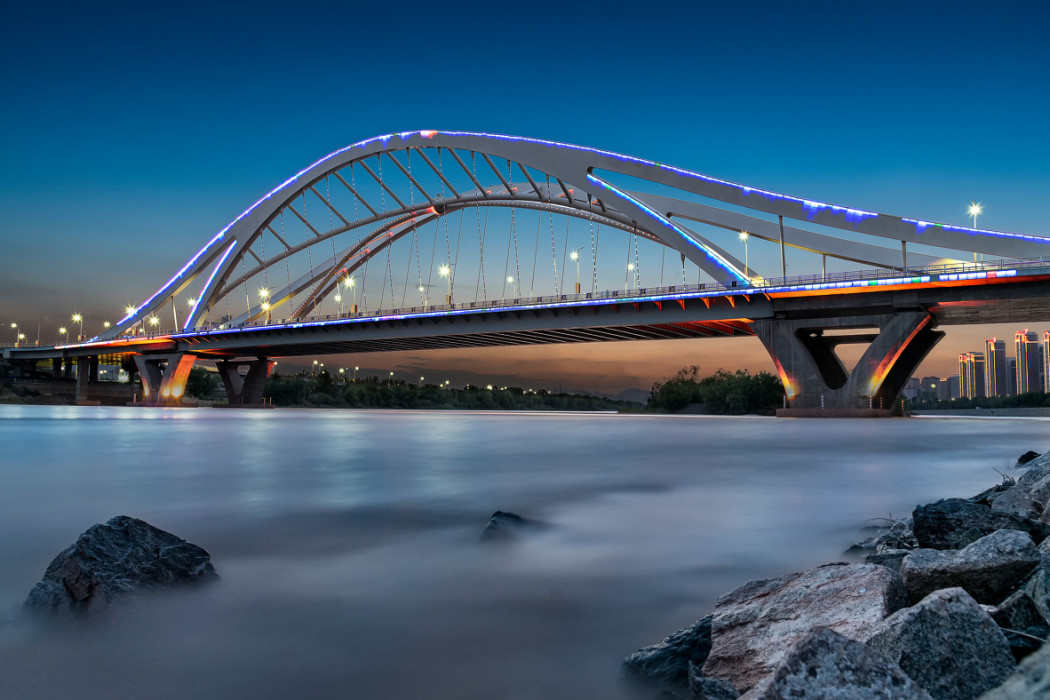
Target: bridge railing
706	288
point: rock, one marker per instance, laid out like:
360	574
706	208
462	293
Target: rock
824	664
989	569
953	523
1027	457
505	526
705	688
947	644
988	496
1038	589
755	626
667	663
1018	613
890	558
1028	496
110	560
1031	680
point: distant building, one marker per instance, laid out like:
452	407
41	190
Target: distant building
1029	361
930	388
995	367
1011	376
954	386
971	375
944	388
1046	361
911	389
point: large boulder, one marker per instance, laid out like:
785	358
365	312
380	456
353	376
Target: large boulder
706	688
755	626
667	663
947	644
1028	496
989	569
108	561
1022	623
1031	680
826	665
953	523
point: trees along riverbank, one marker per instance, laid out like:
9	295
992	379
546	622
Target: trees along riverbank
723	392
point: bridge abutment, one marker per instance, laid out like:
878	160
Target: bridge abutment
246	390
814	377
164	377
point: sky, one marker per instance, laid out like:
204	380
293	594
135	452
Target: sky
131	133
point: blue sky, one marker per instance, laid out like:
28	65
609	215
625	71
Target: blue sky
130	133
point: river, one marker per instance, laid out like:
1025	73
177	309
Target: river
348	541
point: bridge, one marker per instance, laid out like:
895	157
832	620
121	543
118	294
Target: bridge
296	273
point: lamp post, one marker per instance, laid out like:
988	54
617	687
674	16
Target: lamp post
62	332
339	299
423	295
154	322
315	368
974	210
446	271
355	373
575	257
264	297
39	321
351	283
744	235
627	282
79	320
19	339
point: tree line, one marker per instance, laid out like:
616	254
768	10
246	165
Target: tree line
723	392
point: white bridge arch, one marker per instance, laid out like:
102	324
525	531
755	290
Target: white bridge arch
547	176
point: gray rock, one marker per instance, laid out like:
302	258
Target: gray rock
989	495
1038	589
1031	680
989	569
890	558
953	523
756	625
1027	457
108	561
1021	621
667	663
705	688
825	665
506	526
947	644
1028	496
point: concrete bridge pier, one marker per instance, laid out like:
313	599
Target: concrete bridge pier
815	380
164	377
247	390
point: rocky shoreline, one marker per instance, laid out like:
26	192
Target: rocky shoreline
951	604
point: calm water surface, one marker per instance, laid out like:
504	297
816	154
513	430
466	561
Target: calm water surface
347	541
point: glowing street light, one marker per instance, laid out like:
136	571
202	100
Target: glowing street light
446	271
15	326
355	373
575	257
19	339
421	381
339	299
744	235
79	320
974	210
154	322
62	332
630	269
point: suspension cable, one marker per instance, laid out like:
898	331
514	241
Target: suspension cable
554	252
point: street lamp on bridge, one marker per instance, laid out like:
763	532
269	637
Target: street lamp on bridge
446	271
351	283
974	210
744	235
339	299
62	332
575	257
79	320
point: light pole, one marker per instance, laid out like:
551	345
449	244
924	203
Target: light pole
421	381
41	319
423	295
79	320
19	339
154	322
315	368
351	283
627	282
575	257
747	268
264	297
355	373
446	271
974	210
62	332
339	299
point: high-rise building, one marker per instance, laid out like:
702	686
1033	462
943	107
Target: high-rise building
954	387
971	375
995	367
930	388
1011	376
1029	362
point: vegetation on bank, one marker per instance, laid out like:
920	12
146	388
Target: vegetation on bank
1035	399
324	391
723	392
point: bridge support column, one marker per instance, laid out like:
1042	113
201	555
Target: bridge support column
246	390
815	379
164	377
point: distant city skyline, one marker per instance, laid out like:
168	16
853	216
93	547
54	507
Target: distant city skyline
131	134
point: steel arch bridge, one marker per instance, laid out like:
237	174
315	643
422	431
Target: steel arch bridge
313	237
